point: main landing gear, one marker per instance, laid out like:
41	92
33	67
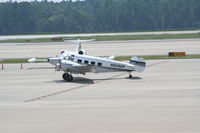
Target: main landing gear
67	77
130	76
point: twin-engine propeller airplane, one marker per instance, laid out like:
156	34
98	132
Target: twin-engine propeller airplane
77	62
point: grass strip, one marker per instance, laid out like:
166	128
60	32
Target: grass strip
118	58
18	60
159	57
30	40
141	37
109	38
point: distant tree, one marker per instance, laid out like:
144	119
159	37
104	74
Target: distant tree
98	16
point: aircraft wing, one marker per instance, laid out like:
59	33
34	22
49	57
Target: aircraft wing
82	69
76	67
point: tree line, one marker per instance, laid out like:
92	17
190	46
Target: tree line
98	16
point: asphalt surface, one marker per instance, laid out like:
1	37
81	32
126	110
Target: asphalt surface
106	48
165	98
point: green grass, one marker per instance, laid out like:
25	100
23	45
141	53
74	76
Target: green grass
17	60
118	58
29	40
110	38
158	57
7	61
141	37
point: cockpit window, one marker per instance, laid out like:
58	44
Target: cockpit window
71	57
66	57
80	52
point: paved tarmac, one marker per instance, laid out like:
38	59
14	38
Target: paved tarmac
107	48
165	98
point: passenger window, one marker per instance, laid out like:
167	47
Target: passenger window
99	64
85	61
92	62
79	61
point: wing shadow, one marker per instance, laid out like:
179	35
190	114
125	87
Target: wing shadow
40	68
134	78
79	80
82	80
116	78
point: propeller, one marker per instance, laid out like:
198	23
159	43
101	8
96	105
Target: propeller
58	65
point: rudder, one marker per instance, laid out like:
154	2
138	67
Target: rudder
139	63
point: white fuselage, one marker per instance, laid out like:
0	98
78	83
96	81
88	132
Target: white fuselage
103	64
69	61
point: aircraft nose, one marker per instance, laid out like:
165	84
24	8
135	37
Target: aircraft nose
53	61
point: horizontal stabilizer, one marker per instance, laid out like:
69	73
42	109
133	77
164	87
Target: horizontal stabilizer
79	41
111	57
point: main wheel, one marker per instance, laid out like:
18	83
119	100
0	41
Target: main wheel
70	78
67	77
64	76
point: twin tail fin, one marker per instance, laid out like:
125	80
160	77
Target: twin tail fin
139	63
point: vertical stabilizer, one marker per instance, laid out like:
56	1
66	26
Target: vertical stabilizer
78	45
139	63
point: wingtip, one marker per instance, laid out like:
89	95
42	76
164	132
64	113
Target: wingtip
31	60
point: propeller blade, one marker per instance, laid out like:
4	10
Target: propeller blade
58	67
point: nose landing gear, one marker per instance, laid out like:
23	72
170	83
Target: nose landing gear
68	77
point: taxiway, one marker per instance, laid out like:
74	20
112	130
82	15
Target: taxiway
99	48
165	98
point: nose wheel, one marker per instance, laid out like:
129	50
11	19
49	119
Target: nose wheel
68	77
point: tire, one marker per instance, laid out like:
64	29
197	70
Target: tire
130	76
70	78
64	76
67	77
